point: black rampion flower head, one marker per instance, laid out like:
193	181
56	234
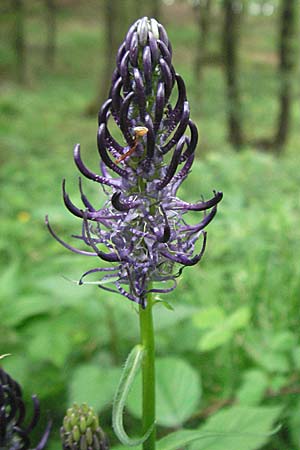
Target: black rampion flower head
14	433
142	222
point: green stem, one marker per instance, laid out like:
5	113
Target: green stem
148	372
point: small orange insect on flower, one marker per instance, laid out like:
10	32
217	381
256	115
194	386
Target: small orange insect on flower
138	133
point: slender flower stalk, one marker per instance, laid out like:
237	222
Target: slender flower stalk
148	373
146	143
14	434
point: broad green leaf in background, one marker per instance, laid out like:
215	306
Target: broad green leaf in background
278	381
178	392
270	351
176	440
272	362
17	367
164	318
14	312
220	328
208	317
53	338
9	281
254	385
238	428
283	341
296	357
94	385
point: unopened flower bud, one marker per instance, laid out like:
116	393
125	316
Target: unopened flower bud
81	430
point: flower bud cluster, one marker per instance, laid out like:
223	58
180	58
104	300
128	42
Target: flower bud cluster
81	430
146	142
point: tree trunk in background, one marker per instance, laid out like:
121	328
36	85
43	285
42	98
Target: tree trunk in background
287	63
203	17
231	28
118	17
149	9
51	32
19	40
155	9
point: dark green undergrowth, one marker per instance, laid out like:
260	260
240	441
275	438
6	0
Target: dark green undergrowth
234	330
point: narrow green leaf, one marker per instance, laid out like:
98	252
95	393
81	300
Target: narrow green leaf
131	368
96	282
164	303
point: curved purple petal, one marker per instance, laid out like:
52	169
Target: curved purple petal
103	113
150	137
140	92
200	206
200	226
116	95
36	414
164	51
165	290
91	175
153	48
84	198
166	76
64	244
134	50
173	164
109	257
104	155
159	105
42	444
96	270
124	122
193	141
147	65
119	205
165	236
183	259
180	129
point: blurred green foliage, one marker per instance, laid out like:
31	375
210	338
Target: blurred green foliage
235	323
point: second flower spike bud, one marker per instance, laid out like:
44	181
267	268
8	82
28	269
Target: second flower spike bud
81	430
15	430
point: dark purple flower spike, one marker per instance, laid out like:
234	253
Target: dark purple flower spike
142	222
14	433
